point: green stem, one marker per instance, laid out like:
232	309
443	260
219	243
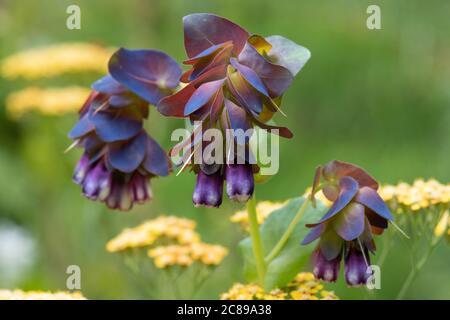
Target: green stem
415	270
285	237
256	240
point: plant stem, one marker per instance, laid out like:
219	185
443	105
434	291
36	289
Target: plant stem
415	270
285	237
256	240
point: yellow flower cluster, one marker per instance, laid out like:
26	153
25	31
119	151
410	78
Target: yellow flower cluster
419	195
303	287
185	255
50	101
180	230
39	295
56	60
263	210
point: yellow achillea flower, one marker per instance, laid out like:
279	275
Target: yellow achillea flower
263	210
40	295
303	287
422	194
56	60
185	255
443	225
146	234
50	101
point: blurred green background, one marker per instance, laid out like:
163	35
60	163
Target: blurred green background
378	98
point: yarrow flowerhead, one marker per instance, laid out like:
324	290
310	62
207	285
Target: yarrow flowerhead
119	156
235	82
48	101
179	230
347	229
303	287
40	295
185	255
263	210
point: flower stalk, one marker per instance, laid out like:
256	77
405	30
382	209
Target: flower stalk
258	251
285	237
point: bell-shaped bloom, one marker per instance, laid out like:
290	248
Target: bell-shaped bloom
347	229
235	81
119	156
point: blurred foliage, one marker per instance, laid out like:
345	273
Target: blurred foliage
378	98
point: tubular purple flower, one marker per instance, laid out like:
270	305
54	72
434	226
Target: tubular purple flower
208	189
240	182
356	267
327	270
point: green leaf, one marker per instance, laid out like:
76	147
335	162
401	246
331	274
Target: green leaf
293	257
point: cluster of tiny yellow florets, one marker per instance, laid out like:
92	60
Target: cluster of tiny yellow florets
182	245
185	255
303	287
39	295
180	230
263	210
49	101
421	194
56	60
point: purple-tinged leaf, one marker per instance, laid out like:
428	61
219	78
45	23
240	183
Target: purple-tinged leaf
349	223
314	234
155	161
276	78
330	244
112	127
174	104
250	75
211	51
108	85
348	189
81	128
376	220
120	101
202	30
337	169
216	106
370	198
239	123
288	54
202	95
127	156
281	131
206	64
147	73
244	94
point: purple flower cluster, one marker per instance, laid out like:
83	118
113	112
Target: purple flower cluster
119	157
347	229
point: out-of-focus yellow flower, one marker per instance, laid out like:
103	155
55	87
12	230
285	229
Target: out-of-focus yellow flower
421	194
40	295
263	210
185	255
303	287
50	101
56	60
177	229
443	225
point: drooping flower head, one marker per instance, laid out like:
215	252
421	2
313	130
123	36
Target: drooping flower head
347	229
119	156
235	81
